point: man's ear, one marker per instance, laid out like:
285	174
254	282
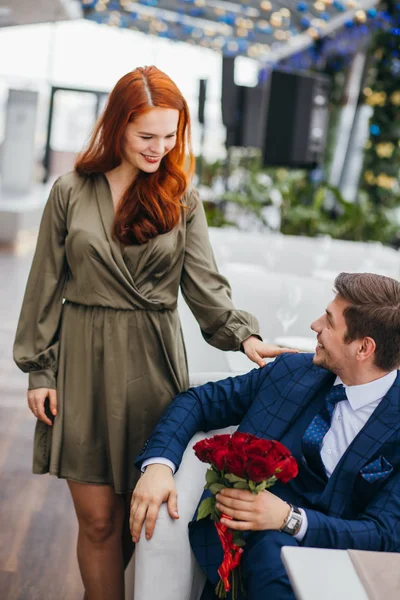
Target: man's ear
366	348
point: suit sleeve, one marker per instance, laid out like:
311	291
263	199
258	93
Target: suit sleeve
207	292
214	405
377	528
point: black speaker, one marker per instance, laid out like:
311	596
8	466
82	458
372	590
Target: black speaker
244	117
296	120
230	93
252	116
202	99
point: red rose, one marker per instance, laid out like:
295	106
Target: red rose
239	441
218	457
243	438
281	448
235	463
287	469
259	469
221	441
259	448
203	450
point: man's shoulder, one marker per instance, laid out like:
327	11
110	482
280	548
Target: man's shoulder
296	361
289	365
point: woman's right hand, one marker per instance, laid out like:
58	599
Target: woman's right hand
36	400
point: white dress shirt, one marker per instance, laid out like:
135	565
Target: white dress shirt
348	418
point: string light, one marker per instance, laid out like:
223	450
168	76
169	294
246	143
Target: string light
266	5
313	33
195	23
361	16
276	19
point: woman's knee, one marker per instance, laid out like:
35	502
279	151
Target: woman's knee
99	510
99	528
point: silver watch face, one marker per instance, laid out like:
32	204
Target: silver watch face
294	523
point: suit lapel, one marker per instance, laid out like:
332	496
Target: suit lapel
299	391
381	425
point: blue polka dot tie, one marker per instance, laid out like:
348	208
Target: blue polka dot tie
319	427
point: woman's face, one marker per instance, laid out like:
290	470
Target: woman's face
149	138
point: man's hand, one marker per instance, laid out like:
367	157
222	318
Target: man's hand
256	350
156	486
252	512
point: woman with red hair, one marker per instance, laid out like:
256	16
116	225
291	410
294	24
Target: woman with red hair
99	331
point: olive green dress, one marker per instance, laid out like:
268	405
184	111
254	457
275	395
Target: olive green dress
99	323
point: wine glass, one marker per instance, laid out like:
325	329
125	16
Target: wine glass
287	314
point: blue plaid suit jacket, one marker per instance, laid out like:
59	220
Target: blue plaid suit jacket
355	510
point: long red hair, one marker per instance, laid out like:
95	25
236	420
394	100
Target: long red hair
152	204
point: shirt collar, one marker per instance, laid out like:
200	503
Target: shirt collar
361	395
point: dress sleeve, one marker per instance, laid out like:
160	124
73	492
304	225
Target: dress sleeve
36	342
207	292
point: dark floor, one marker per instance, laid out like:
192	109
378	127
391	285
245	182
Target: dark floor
37	523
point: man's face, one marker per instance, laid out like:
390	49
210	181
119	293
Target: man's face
331	351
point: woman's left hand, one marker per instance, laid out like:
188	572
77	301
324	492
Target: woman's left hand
256	350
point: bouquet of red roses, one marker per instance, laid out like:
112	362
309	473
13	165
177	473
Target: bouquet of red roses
246	462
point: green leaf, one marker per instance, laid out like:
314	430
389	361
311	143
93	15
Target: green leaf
216	487
206	508
240	543
252	487
211	476
270	482
260	487
233	478
238	539
241	485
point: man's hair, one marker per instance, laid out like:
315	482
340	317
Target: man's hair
374	312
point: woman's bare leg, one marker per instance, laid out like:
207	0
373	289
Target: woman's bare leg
100	513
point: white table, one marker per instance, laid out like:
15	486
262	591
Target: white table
322	574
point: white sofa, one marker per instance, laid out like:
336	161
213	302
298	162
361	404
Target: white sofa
165	567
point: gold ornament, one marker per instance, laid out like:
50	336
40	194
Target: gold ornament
395	98
376	99
369	177
384	149
386	182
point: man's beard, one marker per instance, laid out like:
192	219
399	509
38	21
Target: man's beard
324	361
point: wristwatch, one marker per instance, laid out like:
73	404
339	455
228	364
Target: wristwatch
293	521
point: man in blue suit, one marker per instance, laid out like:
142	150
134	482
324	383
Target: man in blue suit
338	411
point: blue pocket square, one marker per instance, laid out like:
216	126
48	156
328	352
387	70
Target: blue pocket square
377	470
